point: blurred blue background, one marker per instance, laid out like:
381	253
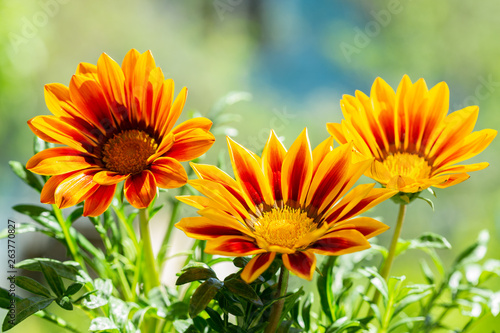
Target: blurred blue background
296	58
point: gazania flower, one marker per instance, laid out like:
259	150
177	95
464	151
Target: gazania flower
115	124
414	143
294	203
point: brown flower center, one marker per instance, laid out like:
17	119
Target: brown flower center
283	226
127	152
407	165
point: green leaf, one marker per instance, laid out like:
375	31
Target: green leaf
426	270
70	270
290	300
25	308
324	285
41	215
404	321
104	289
32	286
118	311
429	201
195	274
73	289
26	176
475	252
23	228
240	262
101	324
241	288
203	295
306	311
53	279
376	280
430	240
215	320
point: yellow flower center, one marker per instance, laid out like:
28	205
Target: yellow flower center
407	165
128	151
283	226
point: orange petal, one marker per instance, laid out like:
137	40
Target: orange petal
99	201
340	242
140	189
168	172
237	246
75	188
214	174
112	80
301	264
107	177
58	100
90	101
193	123
87	70
165	115
337	132
319	153
56	130
190	144
453	180
272	160
249	173
47	194
297	171
257	266
367	226
207	228
57	161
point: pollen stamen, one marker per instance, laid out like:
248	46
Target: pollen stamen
408	165
283	226
127	152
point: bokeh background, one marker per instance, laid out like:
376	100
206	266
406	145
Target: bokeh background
296	59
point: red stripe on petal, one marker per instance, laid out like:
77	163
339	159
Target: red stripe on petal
99	201
140	189
340	242
168	172
233	246
301	264
257	266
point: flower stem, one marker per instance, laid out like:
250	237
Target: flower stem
151	276
274	319
386	268
70	241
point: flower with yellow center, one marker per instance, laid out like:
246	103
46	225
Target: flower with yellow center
294	203
415	143
115	124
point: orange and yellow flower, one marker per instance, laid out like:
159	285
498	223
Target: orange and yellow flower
294	203
415	143
115	124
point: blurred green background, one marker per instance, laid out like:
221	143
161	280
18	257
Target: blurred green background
296	58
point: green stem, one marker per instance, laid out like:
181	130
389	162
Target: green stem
151	276
130	231
274	319
67	236
386	269
166	240
56	320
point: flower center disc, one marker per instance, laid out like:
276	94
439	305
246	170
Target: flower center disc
127	152
407	165
283	226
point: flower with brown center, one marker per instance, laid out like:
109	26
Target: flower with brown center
414	143
294	203
115	124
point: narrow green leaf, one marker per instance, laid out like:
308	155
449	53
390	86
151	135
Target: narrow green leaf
41	215
101	297
405	321
53	279
324	284
69	269
430	240
25	308
240	262
32	286
241	288
306	311
23	228
195	274
73	289
215	320
429	201
376	280
26	176
65	303
426	270
475	252
290	300
203	295
75	215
